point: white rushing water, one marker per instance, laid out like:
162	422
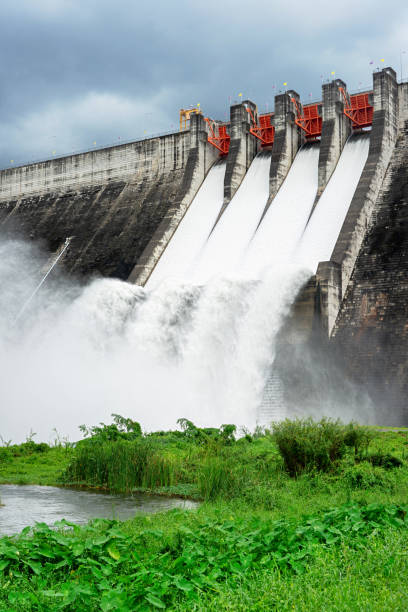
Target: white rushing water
280	230
176	349
327	219
81	354
193	230
222	254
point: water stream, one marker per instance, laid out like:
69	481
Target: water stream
27	504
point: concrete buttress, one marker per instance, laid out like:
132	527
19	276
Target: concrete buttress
382	141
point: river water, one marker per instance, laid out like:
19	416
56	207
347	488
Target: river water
29	504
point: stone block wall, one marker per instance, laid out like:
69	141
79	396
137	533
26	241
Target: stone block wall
371	331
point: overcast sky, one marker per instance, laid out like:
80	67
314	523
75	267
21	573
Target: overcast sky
79	72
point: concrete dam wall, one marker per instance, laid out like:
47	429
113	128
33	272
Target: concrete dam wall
304	210
110	201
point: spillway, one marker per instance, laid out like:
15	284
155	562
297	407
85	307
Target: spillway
222	254
324	226
283	224
193	229
315	244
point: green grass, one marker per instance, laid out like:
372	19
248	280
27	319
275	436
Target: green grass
43	468
208	560
331	539
343	579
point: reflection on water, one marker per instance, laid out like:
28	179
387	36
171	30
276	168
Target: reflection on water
27	504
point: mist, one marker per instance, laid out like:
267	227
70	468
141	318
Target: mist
79	353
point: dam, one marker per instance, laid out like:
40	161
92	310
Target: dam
237	271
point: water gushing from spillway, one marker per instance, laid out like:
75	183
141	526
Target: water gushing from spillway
276	239
176	348
321	233
222	254
193	230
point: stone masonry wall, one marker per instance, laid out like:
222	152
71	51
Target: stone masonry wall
371	332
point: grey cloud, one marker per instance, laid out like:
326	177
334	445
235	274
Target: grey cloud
166	55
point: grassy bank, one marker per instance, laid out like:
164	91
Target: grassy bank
308	517
350	558
33	463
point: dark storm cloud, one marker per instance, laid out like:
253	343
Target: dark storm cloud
74	72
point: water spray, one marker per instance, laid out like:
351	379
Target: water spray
26	304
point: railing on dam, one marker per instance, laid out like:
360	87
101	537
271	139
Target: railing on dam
118	143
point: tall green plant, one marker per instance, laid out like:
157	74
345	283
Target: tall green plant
120	465
308	445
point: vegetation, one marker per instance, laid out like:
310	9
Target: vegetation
306	445
31	463
106	566
304	516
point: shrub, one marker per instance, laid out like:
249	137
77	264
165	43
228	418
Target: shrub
366	476
358	437
308	445
121	428
384	460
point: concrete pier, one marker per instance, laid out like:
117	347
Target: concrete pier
288	139
336	128
243	147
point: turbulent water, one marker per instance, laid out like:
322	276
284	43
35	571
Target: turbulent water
179	351
180	347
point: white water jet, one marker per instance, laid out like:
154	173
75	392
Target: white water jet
322	231
276	238
193	230
222	253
